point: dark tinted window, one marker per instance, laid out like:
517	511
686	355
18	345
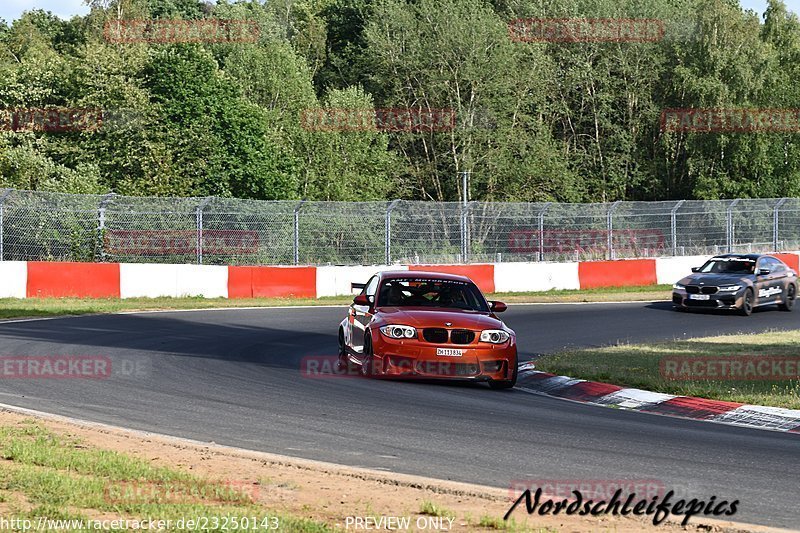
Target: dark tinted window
773	264
729	265
435	293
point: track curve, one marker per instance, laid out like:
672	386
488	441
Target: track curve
232	377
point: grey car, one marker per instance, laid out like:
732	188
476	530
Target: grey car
737	281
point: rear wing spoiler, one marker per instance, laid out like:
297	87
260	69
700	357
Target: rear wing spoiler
359	286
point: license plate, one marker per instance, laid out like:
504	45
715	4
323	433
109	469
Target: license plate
699	297
449	352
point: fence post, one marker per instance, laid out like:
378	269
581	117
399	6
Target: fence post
297	232
389	209
464	208
3	196
673	226
465	231
610	227
729	224
199	221
541	230
101	227
775	211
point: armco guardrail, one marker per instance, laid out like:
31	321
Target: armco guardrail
37	226
34	279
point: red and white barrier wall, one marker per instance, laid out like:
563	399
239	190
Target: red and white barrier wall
34	279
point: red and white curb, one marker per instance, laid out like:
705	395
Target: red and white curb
579	390
34	279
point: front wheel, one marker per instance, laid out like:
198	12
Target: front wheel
344	361
747	303
507	384
788	301
368	368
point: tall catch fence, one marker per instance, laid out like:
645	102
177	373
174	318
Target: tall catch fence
37	226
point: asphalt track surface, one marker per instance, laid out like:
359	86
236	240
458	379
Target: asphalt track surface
232	377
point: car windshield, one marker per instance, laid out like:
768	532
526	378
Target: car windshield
734	265
436	293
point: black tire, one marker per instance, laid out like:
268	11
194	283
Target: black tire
344	362
368	366
747	303
788	301
507	384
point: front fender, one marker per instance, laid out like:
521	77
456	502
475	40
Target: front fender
345	327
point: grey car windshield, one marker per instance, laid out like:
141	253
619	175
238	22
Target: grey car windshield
729	266
423	292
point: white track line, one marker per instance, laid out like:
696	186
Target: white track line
253	308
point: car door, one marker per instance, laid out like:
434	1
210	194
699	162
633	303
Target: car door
768	283
361	315
776	278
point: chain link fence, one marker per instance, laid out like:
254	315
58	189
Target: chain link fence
36	226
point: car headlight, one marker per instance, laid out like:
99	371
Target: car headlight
399	332
679	286
730	288
495	336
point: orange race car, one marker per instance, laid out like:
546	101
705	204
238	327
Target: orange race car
427	325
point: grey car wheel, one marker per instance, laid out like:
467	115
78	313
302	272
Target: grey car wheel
747	303
788	300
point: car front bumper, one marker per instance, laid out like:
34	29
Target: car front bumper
417	359
720	300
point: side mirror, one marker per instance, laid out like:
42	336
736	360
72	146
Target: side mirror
498	307
362	299
695	269
763	271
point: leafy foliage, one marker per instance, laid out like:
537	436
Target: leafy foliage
532	121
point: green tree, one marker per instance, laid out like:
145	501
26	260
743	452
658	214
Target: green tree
455	55
222	143
347	165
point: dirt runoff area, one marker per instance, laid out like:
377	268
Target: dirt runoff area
338	496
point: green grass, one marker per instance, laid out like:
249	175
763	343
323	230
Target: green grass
431	509
47	475
49	307
643	293
637	365
52	307
511	525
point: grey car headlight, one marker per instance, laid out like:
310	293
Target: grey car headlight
679	286
494	336
399	332
730	288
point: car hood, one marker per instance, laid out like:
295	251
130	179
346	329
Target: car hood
715	279
423	317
